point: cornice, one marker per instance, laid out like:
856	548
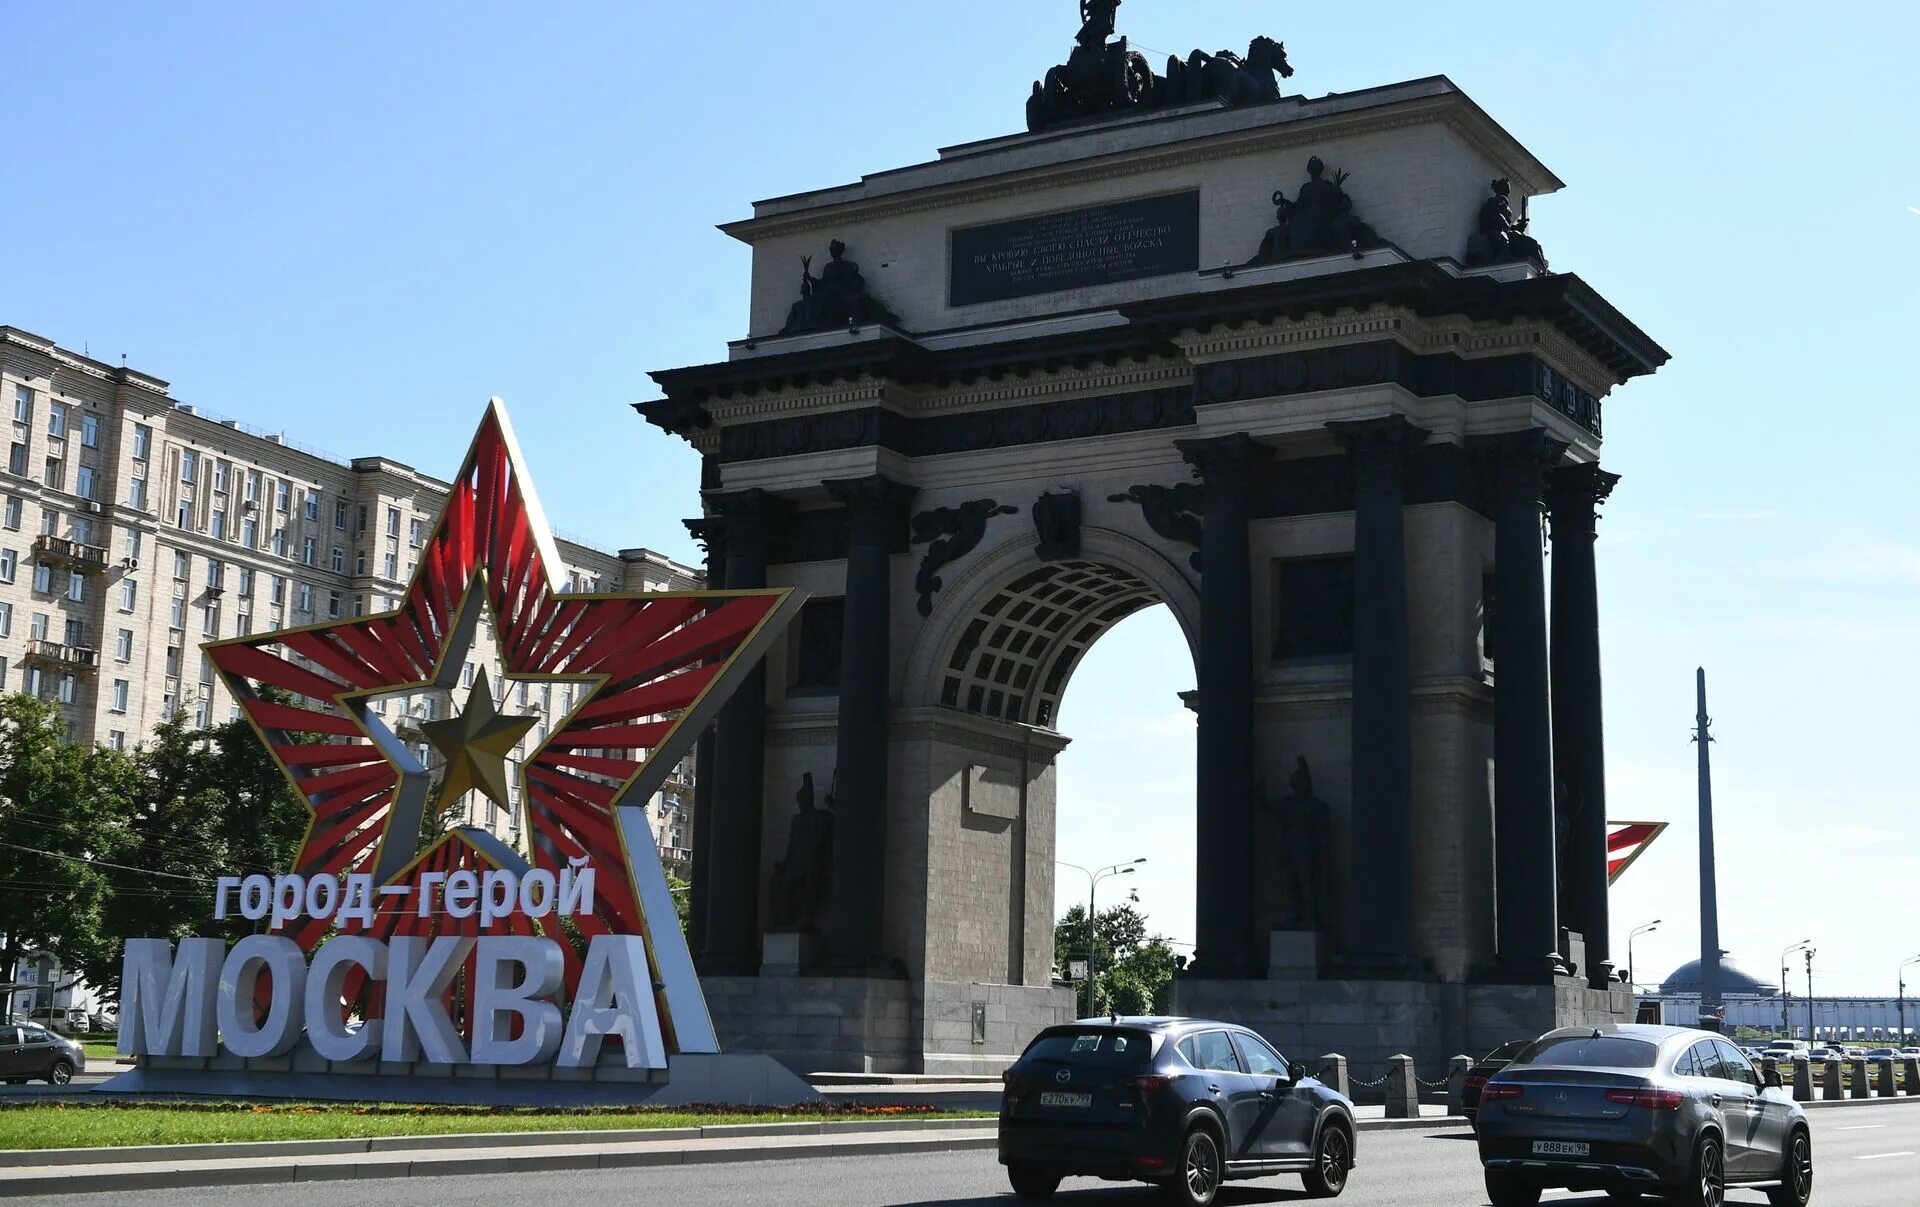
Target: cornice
1450	111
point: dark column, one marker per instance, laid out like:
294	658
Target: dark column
1528	933
1225	943
732	859
1382	939
876	527
1574	495
711	533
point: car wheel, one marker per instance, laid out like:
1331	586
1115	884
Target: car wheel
60	1074
1032	1184
1332	1158
1197	1179
1505	1190
1796	1179
1708	1187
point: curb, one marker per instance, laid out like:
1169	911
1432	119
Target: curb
345	1166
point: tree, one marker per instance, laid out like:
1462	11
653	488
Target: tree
62	814
1134	970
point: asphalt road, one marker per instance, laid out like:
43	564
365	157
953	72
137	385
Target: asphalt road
95	1073
1864	1157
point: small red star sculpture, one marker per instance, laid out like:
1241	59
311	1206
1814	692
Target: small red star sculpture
656	668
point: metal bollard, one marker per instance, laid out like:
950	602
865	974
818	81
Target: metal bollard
1833	1089
1885	1071
1802	1079
1457	1069
1333	1074
1857	1069
1403	1091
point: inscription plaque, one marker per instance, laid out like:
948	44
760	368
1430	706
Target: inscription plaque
1098	245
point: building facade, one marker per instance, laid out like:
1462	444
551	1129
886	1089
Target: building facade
134	528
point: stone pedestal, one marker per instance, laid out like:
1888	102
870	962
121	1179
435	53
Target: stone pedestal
1832	1089
1457	1070
1333	1074
1857	1070
1403	1091
1802	1079
785	953
1295	954
1883	1078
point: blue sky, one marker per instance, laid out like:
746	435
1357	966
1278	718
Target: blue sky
357	222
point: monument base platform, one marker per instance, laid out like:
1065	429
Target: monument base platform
735	1079
1370	1021
838	1024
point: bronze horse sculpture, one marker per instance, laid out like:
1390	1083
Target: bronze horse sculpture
1228	77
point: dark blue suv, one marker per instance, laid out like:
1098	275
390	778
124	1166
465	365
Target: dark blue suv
1183	1103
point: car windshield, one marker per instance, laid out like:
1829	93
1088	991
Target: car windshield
1602	1051
1105	1047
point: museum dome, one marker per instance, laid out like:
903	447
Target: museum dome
1735	981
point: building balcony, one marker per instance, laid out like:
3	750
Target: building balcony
56	653
86	558
678	860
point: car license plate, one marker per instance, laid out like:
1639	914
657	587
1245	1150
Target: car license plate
1561	1148
1055	1099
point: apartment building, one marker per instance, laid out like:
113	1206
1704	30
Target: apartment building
134	528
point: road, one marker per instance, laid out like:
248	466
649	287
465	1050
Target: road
1864	1157
96	1073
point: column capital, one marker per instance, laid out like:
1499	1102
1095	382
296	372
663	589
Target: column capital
876	506
1574	496
748	520
1519	461
1226	462
1389	434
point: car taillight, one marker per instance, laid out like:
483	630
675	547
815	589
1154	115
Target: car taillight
1497	1092
1147	1083
1653	1100
1474	1083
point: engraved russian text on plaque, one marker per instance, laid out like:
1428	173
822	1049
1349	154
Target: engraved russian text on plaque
1098	245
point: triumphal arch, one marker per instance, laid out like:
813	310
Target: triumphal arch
1296	368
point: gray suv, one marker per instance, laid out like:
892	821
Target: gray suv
1634	1110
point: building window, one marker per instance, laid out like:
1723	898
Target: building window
137	494
304	598
117	739
360	563
340	514
246	581
76	586
313	504
55	476
189	463
210	623
173	662
9	561
249	531
359	605
413	532
129	594
17	460
67	684
123	646
220	469
43	578
182	566
177	613
133	543
184	517
393	565
306	551
1313	607
393	521
333	605
37	627
76	631
83	482
360	520
280	542
243	624
90	431
6	620
142	441
252	494
219	525
281	493
339	560
36	683
13	514
121	690
216	573
22	404
56	419
277	589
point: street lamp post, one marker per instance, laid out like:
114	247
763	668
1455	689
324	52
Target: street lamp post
1809	953
1786	995
1093	882
1901	973
1633	934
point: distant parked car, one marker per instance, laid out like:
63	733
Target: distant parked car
1183	1103
1484	1068
1883	1053
1830	1054
1906	1052
29	1051
1637	1110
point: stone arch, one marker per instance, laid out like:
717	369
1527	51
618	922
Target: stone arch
1005	636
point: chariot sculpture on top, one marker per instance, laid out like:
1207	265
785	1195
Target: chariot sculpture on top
1104	75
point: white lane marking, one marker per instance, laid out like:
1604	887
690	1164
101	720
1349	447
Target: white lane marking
1881	1156
1861	1127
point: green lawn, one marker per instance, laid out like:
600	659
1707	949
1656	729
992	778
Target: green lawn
110	1125
99	1049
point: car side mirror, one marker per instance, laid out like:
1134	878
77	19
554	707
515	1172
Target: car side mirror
1296	1072
1772	1079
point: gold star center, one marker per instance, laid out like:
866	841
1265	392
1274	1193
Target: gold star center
476	745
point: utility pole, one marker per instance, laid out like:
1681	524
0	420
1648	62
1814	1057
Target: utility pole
1709	889
1809	995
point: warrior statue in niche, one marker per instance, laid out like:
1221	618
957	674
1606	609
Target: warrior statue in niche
1304	826
802	887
